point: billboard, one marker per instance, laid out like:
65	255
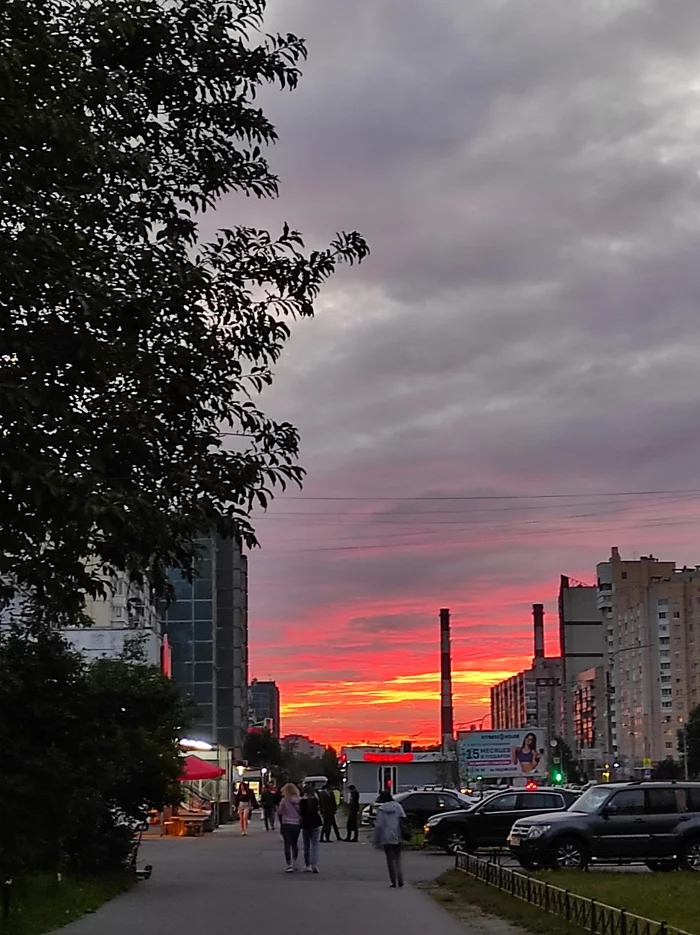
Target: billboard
502	753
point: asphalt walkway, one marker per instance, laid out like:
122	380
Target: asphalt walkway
223	883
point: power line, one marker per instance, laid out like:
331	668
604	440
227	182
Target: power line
480	497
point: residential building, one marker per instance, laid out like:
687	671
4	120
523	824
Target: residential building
589	705
582	646
531	698
126	615
302	745
652	616
264	705
207	627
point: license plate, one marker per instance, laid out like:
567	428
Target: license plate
514	840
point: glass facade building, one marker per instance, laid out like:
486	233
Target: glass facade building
264	699
207	626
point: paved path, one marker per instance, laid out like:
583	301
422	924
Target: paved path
223	883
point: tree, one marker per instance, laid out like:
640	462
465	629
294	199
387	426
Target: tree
89	748
262	749
330	767
692	732
129	350
667	770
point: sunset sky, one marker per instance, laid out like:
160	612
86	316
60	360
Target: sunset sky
527	327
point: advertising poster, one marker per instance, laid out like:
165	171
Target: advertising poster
495	754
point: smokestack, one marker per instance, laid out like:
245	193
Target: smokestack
446	716
538	617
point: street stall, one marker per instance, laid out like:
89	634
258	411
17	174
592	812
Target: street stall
195	816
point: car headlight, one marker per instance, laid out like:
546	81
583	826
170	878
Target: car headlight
536	831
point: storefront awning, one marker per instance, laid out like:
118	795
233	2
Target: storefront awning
194	768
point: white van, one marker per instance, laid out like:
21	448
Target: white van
316	782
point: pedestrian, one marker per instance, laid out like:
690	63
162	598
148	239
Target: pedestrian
289	814
269	803
328	811
353	827
244	802
311	821
388	834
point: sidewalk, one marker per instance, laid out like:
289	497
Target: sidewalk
224	883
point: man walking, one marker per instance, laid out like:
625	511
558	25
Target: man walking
353	815
328	810
268	800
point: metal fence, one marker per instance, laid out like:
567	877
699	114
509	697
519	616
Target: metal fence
591	915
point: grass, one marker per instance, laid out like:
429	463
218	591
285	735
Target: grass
459	894
42	904
663	897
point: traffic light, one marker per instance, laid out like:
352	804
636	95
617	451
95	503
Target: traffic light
557	776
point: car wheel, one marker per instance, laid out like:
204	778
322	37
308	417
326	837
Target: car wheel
456	840
662	866
569	854
690	855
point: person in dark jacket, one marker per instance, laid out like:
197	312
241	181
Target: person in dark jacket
311	821
353	815
328	810
269	803
244	803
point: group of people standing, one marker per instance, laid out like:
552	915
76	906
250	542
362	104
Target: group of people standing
312	815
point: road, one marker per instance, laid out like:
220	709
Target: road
223	882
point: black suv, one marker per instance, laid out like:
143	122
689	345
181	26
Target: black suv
488	823
657	823
419	806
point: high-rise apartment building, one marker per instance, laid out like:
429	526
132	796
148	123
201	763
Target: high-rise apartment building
264	703
652	615
207	626
582	645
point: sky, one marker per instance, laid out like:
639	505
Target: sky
520	348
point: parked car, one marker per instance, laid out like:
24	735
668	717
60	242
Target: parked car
420	805
488	823
653	822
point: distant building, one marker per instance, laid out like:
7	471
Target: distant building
582	641
303	746
531	698
126	615
207	626
264	705
652	618
373	769
589	741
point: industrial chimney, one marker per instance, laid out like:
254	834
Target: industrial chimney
446	715
538	617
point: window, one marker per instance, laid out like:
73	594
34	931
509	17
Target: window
693	794
676	615
666	692
623	575
666	704
662	801
669	745
543	800
628	802
663	615
501	803
447	802
662	602
421	802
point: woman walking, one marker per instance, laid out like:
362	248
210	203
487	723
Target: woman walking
311	821
289	813
244	802
387	834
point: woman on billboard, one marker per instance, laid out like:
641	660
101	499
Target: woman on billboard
527	757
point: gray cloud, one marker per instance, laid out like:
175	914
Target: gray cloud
527	175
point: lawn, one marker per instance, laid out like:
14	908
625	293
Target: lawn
42	904
459	893
663	897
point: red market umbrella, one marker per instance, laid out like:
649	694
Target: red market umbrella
195	768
